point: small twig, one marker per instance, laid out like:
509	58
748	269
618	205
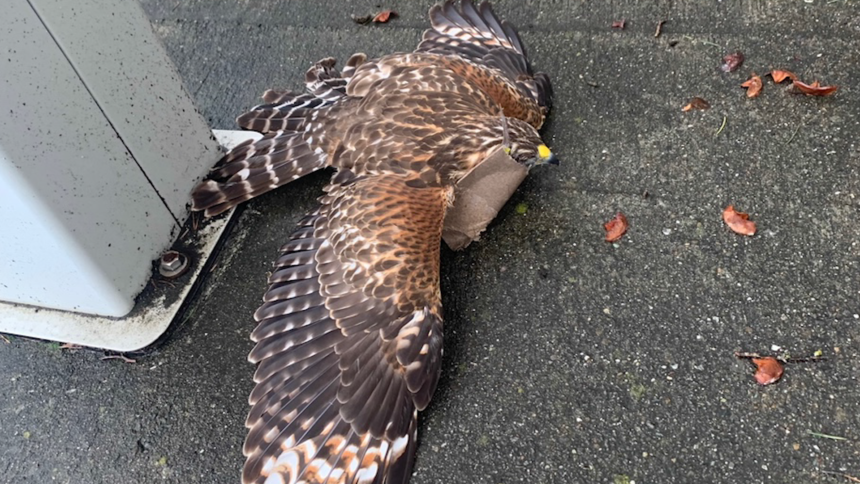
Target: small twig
659	28
118	357
70	346
592	84
155	283
825	436
705	42
795	133
194	221
800	359
722	126
5	339
837	473
783	358
745	354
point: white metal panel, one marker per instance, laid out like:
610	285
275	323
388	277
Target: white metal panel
114	50
148	320
41	260
80	222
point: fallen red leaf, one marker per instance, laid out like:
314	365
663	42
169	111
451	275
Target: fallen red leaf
732	61
616	227
769	370
779	75
815	89
753	85
384	16
696	103
739	222
619	24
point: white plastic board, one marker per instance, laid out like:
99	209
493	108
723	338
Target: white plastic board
100	146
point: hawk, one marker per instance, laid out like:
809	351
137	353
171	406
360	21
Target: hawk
349	340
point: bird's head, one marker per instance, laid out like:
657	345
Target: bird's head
523	143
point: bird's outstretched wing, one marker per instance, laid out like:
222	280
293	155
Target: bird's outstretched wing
475	33
349	341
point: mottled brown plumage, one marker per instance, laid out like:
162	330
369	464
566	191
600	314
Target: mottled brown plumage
349	341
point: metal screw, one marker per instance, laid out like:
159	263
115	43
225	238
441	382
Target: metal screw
173	264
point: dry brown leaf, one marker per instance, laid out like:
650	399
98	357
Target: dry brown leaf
70	346
753	85
732	61
616	227
780	75
384	16
769	370
619	24
815	89
739	222
696	103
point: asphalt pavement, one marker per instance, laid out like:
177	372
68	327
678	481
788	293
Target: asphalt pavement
568	359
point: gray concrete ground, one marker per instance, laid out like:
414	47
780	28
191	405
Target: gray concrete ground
568	359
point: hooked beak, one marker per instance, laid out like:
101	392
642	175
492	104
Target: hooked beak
546	157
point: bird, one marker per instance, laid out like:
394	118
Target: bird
348	344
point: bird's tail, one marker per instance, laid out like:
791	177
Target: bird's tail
298	131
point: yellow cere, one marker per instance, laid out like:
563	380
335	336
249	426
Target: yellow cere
543	151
